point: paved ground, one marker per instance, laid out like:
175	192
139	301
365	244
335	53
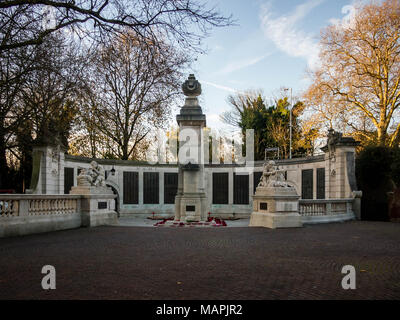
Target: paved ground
205	263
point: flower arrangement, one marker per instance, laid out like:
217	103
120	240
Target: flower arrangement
163	221
211	221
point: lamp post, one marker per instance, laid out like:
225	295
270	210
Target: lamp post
290	122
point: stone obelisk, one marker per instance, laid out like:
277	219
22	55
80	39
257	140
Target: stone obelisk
190	201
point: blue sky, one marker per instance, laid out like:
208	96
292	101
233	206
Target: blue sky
273	45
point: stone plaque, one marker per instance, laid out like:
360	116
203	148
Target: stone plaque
131	187
190	208
102	205
240	188
307	184
321	183
220	181
151	188
263	206
170	186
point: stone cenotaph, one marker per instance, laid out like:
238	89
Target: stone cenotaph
276	202
190	201
97	204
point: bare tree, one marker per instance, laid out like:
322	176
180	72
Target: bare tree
37	92
51	90
183	21
15	67
131	89
357	84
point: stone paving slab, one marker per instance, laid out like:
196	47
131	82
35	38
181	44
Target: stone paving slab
205	263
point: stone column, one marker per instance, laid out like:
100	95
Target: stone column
191	200
140	185
161	188
251	185
230	187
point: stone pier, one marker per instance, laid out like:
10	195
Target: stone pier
191	199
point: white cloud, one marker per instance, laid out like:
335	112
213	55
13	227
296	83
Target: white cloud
218	86
237	65
285	34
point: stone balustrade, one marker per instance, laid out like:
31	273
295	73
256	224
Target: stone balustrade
326	210
28	213
35	205
9	208
22	214
52	206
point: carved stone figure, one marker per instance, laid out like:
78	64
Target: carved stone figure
84	178
333	138
94	176
272	176
98	174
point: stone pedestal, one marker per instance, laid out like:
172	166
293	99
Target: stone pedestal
190	207
275	207
97	205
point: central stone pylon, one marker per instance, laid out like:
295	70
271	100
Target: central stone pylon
190	201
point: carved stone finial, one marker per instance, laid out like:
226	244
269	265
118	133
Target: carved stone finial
335	139
191	87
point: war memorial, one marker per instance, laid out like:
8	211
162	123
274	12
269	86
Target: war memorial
299	229
70	192
199	159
